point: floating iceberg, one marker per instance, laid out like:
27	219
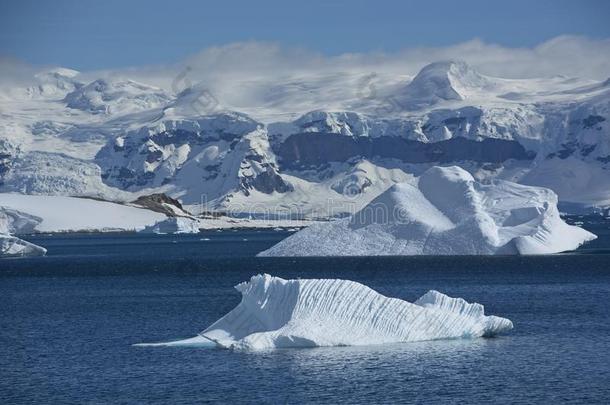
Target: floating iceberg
278	313
11	246
174	225
446	213
16	222
13	221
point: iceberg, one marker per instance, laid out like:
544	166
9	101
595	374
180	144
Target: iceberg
446	212
277	313
16	222
13	221
11	246
173	225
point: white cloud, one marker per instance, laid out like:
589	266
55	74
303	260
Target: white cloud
242	74
565	55
229	65
14	72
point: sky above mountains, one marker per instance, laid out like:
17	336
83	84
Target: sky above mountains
88	35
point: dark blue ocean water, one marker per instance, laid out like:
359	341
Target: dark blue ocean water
68	322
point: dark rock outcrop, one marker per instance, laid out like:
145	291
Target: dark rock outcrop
266	182
159	203
313	149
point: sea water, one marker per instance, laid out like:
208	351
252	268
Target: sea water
68	323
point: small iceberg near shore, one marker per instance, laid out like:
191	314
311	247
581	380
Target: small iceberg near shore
11	222
173	225
11	246
278	313
447	212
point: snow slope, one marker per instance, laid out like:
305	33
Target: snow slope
446	213
278	313
63	214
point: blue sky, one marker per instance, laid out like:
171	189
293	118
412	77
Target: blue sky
110	34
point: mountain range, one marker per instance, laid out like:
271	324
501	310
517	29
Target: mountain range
306	147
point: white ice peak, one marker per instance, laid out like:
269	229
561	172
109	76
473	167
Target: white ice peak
446	80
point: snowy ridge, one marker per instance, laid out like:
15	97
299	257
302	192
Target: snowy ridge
446	213
297	141
211	156
278	313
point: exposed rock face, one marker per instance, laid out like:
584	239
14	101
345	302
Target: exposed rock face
266	182
312	149
151	156
162	203
212	156
7	154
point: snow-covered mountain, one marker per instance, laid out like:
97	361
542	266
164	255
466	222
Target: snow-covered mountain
303	146
446	80
104	97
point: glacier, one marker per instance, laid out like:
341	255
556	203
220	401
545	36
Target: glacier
446	212
278	313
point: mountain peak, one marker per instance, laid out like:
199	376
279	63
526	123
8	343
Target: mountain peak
445	80
445	66
107	96
54	83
